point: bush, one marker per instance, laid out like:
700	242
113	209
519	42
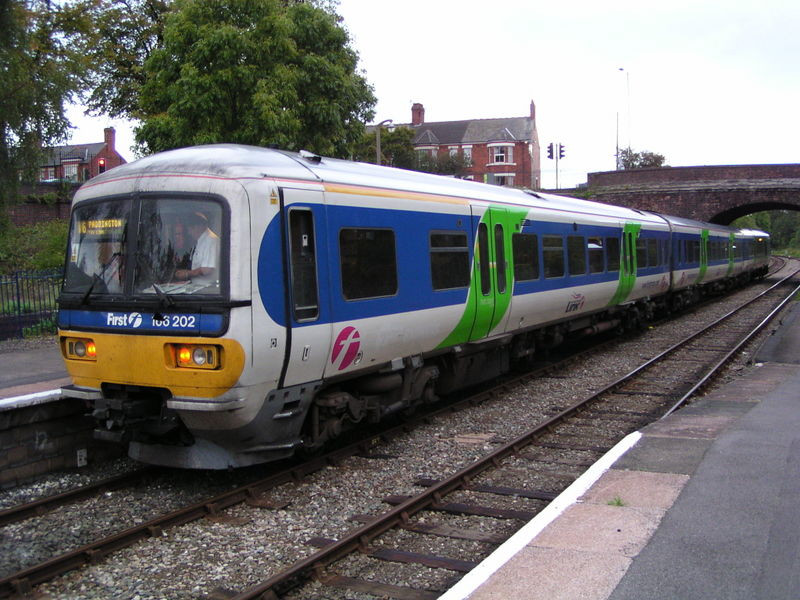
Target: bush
39	246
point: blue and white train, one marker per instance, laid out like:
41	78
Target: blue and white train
339	293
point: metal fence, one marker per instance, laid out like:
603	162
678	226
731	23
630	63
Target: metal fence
28	303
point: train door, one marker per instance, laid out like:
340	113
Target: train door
308	334
627	263
703	256
493	283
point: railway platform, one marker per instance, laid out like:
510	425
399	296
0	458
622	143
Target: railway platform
31	374
704	504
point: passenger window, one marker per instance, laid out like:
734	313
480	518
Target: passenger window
304	264
483	251
553	256
449	260
576	252
641	253
652	253
612	253
595	247
526	256
500	256
369	266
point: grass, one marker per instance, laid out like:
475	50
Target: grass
617	501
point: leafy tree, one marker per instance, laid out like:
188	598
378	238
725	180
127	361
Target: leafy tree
43	65
629	159
396	147
443	164
255	72
126	34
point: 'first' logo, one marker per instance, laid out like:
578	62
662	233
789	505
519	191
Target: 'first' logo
133	319
346	348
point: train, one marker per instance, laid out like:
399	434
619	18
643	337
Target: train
229	305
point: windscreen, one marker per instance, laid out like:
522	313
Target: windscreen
179	247
150	246
97	246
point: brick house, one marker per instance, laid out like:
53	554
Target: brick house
502	151
79	162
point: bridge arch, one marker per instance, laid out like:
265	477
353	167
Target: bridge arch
717	194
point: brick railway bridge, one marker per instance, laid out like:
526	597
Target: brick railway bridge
716	194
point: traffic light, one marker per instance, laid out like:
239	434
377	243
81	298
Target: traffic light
549	150
101	165
561	148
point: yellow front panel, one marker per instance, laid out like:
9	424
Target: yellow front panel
148	361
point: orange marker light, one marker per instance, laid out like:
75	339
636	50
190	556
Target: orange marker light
184	355
91	350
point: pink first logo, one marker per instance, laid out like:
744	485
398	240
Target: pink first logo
345	348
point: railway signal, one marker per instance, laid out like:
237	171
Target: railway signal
557	151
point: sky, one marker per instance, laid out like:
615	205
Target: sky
702	82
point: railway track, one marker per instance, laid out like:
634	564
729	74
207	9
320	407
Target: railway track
574	456
627	404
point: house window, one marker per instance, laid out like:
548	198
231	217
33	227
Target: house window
71	171
467	151
503	179
502	154
453	150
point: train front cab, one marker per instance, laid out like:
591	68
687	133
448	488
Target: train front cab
163	361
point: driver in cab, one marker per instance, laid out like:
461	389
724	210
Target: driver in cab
205	253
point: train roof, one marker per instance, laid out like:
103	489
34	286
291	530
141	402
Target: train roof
251	162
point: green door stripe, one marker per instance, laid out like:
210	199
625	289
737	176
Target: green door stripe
703	255
483	313
627	263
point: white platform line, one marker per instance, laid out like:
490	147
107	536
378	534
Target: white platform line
475	578
29	399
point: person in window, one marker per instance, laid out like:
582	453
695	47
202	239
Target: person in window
205	253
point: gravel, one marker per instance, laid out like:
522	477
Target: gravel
246	545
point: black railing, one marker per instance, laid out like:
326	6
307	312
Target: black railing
28	304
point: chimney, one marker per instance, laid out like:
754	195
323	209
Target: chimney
533	111
417	114
109	135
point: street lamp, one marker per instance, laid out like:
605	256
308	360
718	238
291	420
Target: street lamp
378	139
628	91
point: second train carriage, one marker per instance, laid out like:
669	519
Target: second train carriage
339	293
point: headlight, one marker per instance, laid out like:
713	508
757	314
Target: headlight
194	356
79	348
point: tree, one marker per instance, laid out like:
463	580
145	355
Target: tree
126	34
629	159
396	147
43	65
443	164
254	72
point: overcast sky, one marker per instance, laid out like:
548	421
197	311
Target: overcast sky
704	82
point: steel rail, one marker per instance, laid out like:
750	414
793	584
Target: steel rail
359	538
731	353
41	506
